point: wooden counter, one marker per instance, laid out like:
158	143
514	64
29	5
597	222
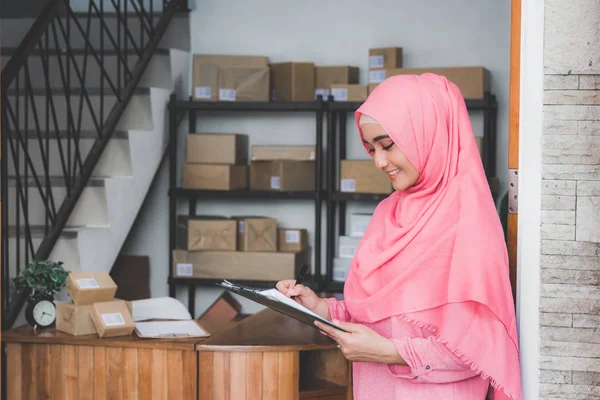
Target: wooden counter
265	356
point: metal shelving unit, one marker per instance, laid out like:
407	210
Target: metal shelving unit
326	177
177	193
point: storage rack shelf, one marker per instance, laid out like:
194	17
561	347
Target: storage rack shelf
326	178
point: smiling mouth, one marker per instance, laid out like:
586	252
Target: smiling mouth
392	174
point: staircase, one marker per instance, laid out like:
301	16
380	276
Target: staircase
84	128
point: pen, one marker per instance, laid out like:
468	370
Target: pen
300	277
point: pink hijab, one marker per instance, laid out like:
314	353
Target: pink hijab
435	254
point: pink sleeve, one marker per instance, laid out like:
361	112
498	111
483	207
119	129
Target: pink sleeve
429	361
337	309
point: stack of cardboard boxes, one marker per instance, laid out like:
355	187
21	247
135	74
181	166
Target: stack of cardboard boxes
241	246
94	308
215	162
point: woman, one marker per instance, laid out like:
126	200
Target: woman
427	302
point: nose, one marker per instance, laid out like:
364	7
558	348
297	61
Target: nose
380	159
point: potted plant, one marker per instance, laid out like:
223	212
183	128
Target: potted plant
43	279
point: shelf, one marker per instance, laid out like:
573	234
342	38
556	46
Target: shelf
345	196
241	194
250	105
333	286
255	284
351	106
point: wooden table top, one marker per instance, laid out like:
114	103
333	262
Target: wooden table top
266	330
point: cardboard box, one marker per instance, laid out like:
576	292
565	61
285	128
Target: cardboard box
385	57
244	84
361	176
214	176
347	246
293	240
282	175
325	76
90	287
74	320
112	318
349	92
359	223
206	233
473	82
219	148
254	266
224	308
256	233
297	153
208	68
292	81
341	266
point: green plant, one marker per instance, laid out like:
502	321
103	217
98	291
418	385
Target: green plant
42	278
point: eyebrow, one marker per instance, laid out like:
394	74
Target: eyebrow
378	138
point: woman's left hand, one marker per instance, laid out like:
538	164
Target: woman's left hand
360	343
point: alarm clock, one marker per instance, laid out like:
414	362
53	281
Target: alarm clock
41	312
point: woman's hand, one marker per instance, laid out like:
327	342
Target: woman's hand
360	343
304	296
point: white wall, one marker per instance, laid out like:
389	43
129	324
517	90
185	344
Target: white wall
432	34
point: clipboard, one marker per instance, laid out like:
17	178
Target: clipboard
297	311
170	329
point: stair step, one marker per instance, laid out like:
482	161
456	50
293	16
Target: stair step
55	181
39	231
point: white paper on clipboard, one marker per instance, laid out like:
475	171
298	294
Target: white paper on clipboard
170	329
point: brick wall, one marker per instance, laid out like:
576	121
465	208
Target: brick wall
570	230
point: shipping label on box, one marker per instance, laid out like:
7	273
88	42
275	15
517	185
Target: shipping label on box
282	175
349	92
292	81
112	318
90	287
74	320
292	239
361	176
214	176
254	266
206	233
217	148
271	153
256	233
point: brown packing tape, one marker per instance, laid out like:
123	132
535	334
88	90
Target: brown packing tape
262	235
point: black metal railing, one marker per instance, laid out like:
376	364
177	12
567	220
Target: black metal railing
70	79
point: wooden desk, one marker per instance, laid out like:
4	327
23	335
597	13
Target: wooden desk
265	356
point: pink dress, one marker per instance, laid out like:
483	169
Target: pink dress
433	372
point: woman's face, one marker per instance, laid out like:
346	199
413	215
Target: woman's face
389	158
